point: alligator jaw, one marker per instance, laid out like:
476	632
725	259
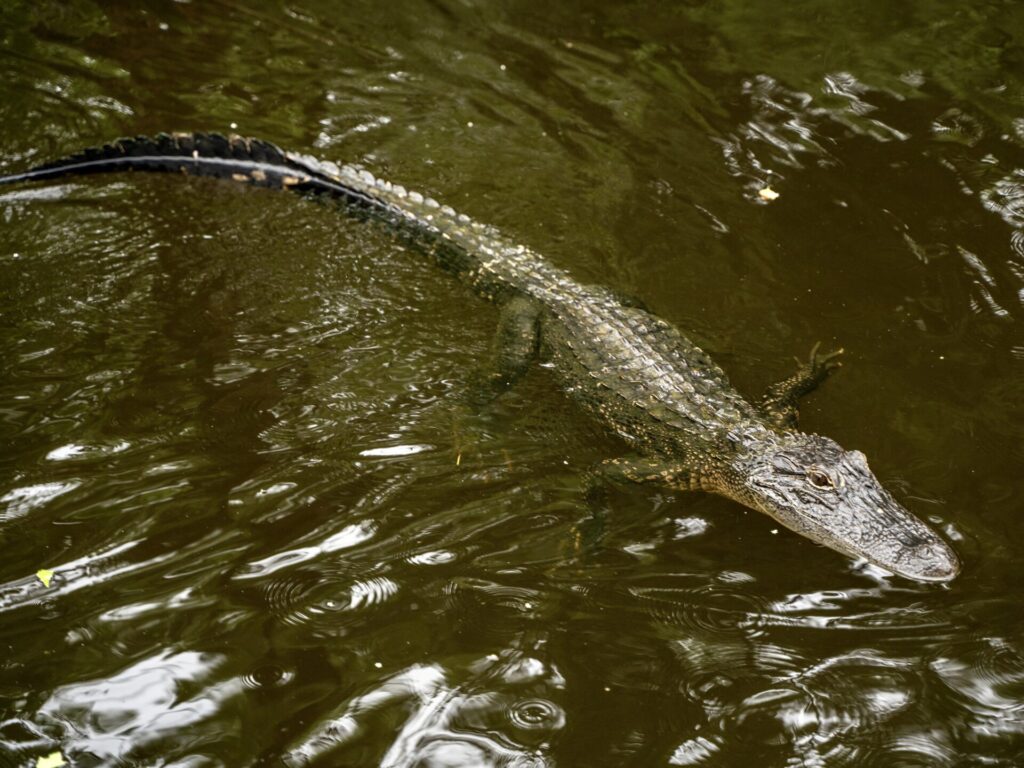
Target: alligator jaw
887	536
934	562
905	545
897	541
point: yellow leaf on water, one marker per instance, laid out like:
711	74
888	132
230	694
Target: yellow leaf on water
52	760
45	575
768	194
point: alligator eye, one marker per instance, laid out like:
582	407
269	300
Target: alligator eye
819	479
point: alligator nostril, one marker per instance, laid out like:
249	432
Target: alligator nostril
936	562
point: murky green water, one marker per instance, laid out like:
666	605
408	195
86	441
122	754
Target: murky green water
231	420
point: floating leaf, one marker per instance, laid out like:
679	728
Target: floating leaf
768	194
52	760
45	575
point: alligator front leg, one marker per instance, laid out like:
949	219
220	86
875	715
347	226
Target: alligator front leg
779	402
635	469
642	469
628	470
514	348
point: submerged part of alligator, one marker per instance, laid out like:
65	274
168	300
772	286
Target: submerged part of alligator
632	371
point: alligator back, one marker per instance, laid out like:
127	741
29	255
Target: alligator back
640	375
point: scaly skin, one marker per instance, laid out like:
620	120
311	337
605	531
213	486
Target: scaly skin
632	371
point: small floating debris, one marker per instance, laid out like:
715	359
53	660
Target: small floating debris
45	575
767	194
397	450
52	760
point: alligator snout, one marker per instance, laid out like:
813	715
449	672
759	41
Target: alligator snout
930	561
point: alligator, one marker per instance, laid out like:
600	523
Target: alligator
635	373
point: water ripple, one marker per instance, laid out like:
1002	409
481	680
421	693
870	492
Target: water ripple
956	125
988	676
715	608
267	677
168	703
21	501
330	606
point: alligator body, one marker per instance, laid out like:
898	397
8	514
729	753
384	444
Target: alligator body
632	371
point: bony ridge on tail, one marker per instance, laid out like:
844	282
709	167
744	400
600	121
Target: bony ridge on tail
629	369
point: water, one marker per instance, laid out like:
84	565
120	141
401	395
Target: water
232	426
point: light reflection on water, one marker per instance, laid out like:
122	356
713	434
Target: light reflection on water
232	422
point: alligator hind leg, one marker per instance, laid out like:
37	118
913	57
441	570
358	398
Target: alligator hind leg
779	402
514	348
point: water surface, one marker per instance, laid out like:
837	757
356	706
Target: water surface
232	421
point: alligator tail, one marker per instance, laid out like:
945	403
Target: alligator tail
240	159
457	243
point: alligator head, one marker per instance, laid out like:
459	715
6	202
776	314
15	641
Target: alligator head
812	485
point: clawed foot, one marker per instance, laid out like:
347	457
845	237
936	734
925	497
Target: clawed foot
820	365
779	402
